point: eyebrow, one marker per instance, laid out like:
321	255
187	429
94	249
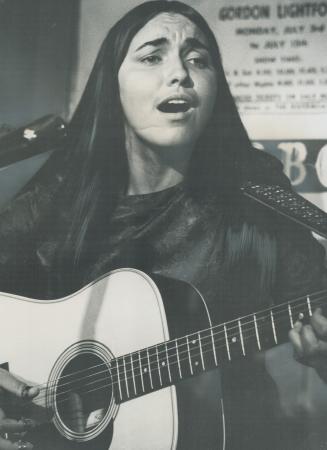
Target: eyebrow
155	43
189	42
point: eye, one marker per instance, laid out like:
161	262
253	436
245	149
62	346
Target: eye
198	61
151	59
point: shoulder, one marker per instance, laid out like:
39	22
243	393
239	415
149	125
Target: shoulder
261	167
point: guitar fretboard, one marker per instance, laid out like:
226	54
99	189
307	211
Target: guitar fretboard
167	363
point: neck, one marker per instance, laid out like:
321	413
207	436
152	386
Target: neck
153	169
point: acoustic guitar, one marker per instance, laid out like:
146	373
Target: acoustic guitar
117	362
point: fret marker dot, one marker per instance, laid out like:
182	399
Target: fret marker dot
301	316
145	369
163	363
234	339
196	363
194	342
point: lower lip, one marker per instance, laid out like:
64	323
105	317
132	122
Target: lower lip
177	115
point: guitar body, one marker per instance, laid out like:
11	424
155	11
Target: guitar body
119	314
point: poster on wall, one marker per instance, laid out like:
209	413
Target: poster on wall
273	54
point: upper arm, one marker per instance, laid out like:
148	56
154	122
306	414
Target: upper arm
301	265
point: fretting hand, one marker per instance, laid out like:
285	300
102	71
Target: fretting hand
310	343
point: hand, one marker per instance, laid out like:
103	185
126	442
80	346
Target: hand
310	343
10	384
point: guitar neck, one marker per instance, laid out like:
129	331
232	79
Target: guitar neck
167	363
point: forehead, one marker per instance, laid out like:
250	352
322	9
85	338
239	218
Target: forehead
173	27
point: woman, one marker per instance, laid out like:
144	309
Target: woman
156	154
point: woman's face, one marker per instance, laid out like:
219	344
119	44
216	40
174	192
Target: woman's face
167	82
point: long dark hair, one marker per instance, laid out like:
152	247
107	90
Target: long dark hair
95	147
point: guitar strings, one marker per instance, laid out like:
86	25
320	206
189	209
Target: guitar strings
264	318
103	386
152	370
269	309
124	374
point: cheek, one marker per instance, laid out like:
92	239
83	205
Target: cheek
211	91
208	94
135	95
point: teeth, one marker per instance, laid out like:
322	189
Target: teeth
177	101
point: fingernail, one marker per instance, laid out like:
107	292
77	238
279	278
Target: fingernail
28	423
25	391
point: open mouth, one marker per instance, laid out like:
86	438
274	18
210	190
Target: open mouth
174	106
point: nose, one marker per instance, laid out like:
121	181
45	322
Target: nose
177	72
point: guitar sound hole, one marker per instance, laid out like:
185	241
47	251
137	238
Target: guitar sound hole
84	392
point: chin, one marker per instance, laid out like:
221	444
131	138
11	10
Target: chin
170	138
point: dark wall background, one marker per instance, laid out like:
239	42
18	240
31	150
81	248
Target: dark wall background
38	40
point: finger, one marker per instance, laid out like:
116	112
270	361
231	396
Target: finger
295	338
309	340
5	444
319	323
15	386
312	346
16	426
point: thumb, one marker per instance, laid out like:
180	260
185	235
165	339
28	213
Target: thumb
15	386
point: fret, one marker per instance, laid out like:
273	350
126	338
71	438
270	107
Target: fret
141	371
138	375
256	331
246	335
154	362
164	361
263	325
227	343
290	315
158	361
189	355
213	347
207	348
309	306
201	353
113	371
196	358
126	379
118	379
174	360
149	368
178	360
273	326
133	374
168	364
241	336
